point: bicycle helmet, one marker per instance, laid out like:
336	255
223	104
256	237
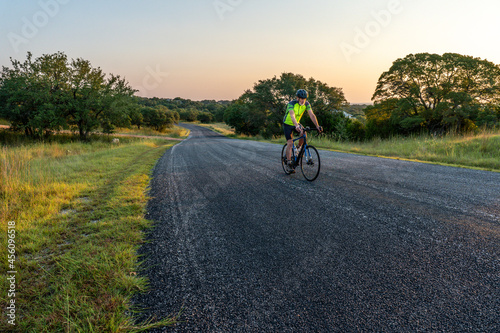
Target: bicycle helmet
301	93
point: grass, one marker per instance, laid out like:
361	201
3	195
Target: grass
172	132
480	151
473	151
221	128
78	210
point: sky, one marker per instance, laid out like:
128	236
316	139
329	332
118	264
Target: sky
217	49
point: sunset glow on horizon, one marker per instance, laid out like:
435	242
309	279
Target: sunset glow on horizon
217	49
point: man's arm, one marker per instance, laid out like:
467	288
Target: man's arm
313	118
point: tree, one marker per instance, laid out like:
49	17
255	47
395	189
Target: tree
356	130
118	104
437	92
244	119
379	122
85	87
32	96
205	117
96	100
189	110
159	118
51	93
190	114
264	105
135	115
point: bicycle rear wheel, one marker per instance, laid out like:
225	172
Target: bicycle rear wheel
310	163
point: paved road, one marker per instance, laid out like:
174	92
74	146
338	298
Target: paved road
372	245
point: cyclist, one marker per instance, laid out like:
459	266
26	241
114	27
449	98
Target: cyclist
291	122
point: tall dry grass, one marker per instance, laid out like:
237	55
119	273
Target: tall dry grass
78	210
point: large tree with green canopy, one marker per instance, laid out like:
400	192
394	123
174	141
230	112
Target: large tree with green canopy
51	93
436	92
261	109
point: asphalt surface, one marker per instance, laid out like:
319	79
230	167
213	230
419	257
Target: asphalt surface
373	245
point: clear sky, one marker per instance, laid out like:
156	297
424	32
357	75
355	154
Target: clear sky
216	49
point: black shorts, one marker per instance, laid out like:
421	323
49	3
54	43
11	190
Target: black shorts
288	129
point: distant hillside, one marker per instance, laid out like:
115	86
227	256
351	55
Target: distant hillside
357	111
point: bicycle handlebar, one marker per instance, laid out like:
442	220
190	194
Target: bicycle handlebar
308	129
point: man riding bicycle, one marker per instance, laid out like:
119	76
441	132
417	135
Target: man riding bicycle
291	122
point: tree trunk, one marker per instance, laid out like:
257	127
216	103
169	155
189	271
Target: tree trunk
83	135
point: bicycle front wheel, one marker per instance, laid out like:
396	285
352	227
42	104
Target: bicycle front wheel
310	163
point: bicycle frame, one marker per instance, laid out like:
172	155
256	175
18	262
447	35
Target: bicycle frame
297	158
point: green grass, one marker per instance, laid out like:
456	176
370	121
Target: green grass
172	132
473	151
480	151
78	210
221	128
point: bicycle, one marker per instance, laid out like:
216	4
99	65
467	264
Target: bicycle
310	165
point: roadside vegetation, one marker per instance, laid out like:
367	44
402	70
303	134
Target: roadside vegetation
467	150
427	107
478	150
174	131
49	94
420	93
78	209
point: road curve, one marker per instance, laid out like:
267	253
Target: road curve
372	245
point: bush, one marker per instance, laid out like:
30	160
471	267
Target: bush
356	130
188	115
205	117
158	118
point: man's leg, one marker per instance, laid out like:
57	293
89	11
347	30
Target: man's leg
289	145
289	140
301	141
